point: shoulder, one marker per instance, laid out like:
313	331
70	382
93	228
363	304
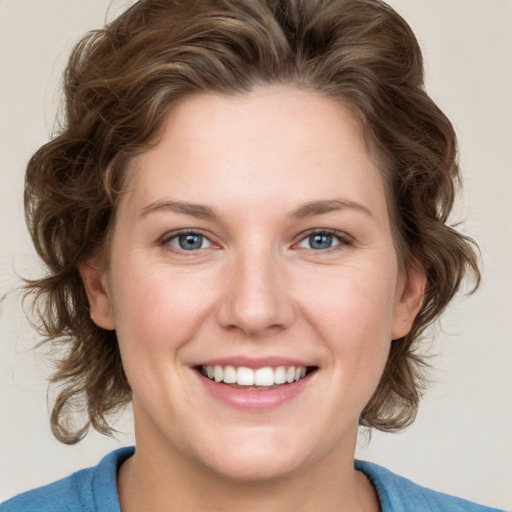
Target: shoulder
60	496
398	494
87	490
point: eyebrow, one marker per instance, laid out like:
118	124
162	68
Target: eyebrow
192	209
319	207
308	209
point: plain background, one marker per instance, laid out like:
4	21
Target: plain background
461	442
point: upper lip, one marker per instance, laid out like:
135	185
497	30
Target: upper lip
253	362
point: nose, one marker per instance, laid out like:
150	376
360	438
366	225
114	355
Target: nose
256	298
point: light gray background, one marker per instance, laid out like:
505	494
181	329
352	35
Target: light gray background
461	441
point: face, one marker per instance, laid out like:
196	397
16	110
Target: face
253	284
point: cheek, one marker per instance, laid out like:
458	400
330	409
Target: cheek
354	318
156	315
355	304
155	309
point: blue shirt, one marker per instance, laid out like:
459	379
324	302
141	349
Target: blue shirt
95	490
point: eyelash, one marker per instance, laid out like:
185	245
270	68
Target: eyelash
343	239
168	238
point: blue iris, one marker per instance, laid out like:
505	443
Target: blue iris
320	241
190	241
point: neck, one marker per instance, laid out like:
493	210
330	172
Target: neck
169	481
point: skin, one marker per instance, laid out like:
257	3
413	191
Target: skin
255	288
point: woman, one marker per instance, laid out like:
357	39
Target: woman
244	222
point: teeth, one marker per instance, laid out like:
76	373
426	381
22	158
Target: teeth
229	375
245	376
218	373
264	377
280	375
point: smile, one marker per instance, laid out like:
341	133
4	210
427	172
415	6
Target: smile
255	377
255	386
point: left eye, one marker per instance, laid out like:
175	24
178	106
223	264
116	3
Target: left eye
188	241
320	241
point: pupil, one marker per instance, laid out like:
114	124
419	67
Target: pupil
320	241
190	241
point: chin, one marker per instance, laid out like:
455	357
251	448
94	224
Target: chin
255	458
256	467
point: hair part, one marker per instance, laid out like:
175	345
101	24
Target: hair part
119	85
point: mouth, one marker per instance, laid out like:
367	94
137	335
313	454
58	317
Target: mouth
265	378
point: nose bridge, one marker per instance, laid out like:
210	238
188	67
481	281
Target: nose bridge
255	297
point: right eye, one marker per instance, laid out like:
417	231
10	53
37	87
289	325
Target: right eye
187	241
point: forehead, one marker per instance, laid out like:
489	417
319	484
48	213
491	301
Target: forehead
275	144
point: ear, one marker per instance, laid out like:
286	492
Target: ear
94	277
408	301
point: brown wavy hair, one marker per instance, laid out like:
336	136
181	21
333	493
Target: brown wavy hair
119	84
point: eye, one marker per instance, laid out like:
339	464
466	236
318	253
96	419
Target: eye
187	241
322	240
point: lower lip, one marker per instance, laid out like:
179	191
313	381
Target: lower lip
254	399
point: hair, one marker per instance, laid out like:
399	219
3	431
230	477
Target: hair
120	83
